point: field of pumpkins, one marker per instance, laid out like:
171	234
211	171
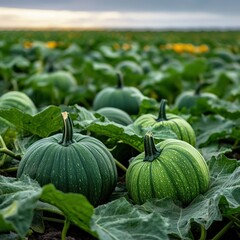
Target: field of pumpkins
119	135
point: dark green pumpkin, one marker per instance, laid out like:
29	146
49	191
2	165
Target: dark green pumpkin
172	168
19	100
116	115
175	123
125	98
73	163
189	99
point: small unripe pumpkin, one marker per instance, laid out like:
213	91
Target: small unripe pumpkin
175	123
125	98
189	99
18	100
73	163
172	168
51	88
116	115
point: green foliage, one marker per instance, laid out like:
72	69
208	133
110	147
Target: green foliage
75	207
91	59
50	118
18	198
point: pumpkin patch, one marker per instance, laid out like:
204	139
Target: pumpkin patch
119	135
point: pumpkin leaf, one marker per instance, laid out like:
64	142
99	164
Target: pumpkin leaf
212	128
148	105
18	198
119	219
194	68
130	134
50	118
228	80
97	123
214	150
225	108
118	132
74	206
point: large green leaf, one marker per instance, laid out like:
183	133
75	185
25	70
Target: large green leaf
130	134
225	108
119	219
194	68
214	150
212	128
18	198
74	206
42	124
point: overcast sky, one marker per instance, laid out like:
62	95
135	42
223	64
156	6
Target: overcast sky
121	13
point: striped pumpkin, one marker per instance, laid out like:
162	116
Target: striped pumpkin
175	123
172	168
19	100
73	163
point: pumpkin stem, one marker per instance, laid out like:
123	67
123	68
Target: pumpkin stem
162	111
150	150
200	86
120	83
67	138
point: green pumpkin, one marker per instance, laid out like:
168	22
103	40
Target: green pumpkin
130	67
172	168
19	100
116	115
73	163
189	99
178	125
125	98
51	88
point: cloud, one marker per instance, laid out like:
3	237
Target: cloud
210	6
32	18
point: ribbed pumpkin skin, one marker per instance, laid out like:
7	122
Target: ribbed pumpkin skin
116	115
85	166
178	125
179	172
19	100
125	98
51	88
62	80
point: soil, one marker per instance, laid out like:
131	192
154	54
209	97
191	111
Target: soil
53	232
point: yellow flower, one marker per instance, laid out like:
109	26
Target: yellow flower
203	48
178	47
51	44
186	48
189	48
